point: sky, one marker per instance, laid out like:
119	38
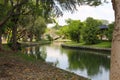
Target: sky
104	11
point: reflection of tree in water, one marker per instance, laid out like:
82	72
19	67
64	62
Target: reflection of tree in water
36	52
56	63
43	52
85	60
29	51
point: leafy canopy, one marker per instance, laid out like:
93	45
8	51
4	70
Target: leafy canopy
91	31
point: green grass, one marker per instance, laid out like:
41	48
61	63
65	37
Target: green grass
6	47
18	54
101	44
24	56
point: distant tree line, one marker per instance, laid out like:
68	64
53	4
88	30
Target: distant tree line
18	13
88	31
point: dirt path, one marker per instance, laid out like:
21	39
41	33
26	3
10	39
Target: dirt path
15	68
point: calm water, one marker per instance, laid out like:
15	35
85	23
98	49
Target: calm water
85	63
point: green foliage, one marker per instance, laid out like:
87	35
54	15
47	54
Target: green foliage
34	27
109	32
39	28
3	9
64	31
71	4
90	31
72	30
49	37
14	10
3	12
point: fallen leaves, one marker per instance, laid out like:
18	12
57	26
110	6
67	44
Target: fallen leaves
13	68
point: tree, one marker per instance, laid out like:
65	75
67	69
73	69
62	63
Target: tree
22	7
64	31
39	28
109	32
10	10
48	5
90	31
115	55
25	8
74	29
2	15
15	19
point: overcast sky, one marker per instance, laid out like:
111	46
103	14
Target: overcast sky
104	11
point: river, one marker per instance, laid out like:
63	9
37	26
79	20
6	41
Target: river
90	64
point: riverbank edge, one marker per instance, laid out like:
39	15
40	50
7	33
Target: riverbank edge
25	44
11	59
85	48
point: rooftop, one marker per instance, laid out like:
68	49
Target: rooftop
103	27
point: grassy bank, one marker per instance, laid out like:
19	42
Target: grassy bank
102	44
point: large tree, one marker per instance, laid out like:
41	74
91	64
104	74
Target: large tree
72	30
90	30
16	8
115	54
49	5
12	11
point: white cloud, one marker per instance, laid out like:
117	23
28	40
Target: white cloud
104	11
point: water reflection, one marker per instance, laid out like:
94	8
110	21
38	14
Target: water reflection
86	63
36	51
79	59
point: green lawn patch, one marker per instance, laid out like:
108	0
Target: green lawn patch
101	44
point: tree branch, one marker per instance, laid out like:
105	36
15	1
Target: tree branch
10	12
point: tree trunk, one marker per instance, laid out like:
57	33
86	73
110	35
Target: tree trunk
0	40
14	38
31	37
115	54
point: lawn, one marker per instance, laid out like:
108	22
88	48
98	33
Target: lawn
101	44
